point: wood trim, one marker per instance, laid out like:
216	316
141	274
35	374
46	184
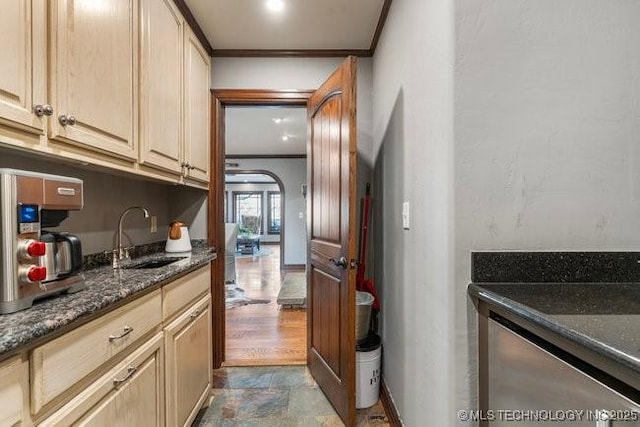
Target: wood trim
215	227
381	21
266	156
294	267
195	27
389	405
249	182
219	99
262	97
291	53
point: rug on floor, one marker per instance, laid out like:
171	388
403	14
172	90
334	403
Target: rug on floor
293	291
235	297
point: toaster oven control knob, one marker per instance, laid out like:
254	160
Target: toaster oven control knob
32	249
34	274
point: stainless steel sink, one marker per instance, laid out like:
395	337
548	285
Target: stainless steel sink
153	263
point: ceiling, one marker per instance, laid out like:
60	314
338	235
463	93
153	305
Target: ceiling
261	130
252	27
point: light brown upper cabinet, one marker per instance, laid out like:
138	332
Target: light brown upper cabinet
94	75
196	108
123	85
174	88
22	89
161	85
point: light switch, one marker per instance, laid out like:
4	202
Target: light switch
301	215
405	215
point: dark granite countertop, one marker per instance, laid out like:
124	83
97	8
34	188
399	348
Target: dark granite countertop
105	289
603	317
587	304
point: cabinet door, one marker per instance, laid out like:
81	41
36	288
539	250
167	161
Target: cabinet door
18	25
131	394
196	108
93	72
12	379
161	76
188	363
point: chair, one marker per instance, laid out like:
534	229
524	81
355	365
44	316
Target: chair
230	239
252	223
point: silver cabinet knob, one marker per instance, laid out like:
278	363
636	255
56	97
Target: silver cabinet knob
191	167
43	110
67	120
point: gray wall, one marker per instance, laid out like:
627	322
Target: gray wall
536	148
547	124
106	196
413	148
292	173
263	188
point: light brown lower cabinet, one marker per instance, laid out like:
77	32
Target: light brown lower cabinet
146	363
14	385
188	362
130	394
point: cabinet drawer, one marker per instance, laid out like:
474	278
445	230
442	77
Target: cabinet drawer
11	392
59	364
130	394
181	292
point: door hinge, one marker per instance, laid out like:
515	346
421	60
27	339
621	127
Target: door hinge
353	264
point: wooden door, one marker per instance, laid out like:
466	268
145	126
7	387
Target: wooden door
160	85
92	75
17	76
196	107
332	238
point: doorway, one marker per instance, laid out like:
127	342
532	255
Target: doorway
224	101
263	327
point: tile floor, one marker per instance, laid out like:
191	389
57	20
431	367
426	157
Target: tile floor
274	396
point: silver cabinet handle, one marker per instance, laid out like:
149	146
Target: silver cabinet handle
130	371
43	110
195	314
67	120
125	331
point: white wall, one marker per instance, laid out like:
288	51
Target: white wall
253	187
413	147
292	173
297	73
547	123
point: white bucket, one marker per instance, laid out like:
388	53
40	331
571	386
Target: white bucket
367	377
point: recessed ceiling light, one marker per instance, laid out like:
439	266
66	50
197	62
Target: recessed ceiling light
275	5
277	120
285	137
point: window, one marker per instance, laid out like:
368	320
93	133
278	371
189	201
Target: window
247	211
273	224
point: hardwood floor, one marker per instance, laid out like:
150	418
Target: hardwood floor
264	334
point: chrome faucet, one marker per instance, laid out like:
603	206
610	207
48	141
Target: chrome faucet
120	253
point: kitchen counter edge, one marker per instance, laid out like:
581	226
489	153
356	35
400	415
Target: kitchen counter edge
106	290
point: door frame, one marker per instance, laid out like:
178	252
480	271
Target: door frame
220	99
